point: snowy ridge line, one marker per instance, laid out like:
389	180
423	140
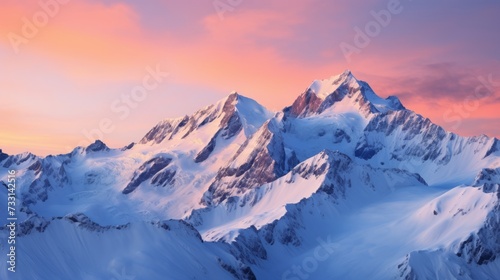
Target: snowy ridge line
247	193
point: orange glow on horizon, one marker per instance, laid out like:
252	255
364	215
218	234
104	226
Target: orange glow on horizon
65	77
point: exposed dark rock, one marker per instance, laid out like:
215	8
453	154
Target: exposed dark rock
82	221
164	177
405	270
489	179
157	133
367	151
411	126
309	103
62	175
304	104
292	161
243	272
36	166
473	251
337	176
3	155
266	162
495	147
146	171
181	125
228	268
232	127
128	147
165	226
37	191
18	159
285	230
483	247
250	246
35	222
97	146
335	97
229	126
339	136
183	122
208	115
8	162
206	151
268	232
90	178
289	237
180	226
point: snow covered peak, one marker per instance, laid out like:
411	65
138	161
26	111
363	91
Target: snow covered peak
97	146
323	88
231	114
342	93
238	111
253	114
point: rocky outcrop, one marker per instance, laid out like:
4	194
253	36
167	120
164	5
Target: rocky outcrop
406	126
261	159
495	147
306	103
97	146
3	155
164	177
18	159
324	94
147	170
229	126
48	173
163	130
483	246
206	151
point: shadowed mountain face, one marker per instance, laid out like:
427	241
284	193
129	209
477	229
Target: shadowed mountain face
341	169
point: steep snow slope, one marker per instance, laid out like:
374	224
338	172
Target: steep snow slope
74	247
403	234
468	228
330	172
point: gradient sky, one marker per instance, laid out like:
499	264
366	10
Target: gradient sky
441	58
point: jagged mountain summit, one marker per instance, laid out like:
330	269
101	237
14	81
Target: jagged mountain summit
340	184
342	93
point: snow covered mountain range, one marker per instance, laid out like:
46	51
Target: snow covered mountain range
342	184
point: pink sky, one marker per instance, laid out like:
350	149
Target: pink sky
63	79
